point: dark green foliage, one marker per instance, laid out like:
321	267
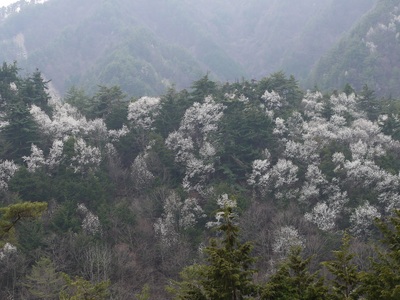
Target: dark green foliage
20	133
366	55
173	107
78	99
244	133
66	218
346	276
31	236
31	186
108	104
293	280
348	89
80	289
369	103
382	281
16	97
8	75
228	272
43	281
202	88
13	214
287	88
34	91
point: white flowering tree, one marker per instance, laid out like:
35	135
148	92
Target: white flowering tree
178	216
140	172
7	171
193	142
271	102
278	181
362	219
142	112
284	239
90	222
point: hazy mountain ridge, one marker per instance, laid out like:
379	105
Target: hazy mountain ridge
152	44
369	54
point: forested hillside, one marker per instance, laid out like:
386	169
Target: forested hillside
147	46
369	54
132	187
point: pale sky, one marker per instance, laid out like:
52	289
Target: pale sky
6	2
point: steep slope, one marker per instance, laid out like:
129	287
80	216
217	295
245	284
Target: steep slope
369	54
266	36
94	43
145	46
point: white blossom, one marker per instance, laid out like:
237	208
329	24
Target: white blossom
280	177
86	158
7	171
224	203
193	144
272	102
178	216
315	180
115	135
143	111
362	219
343	104
285	238
140	172
91	223
36	160
312	104
323	216
280	127
55	154
7	250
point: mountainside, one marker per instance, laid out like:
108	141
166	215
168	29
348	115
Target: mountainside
145	46
369	54
132	186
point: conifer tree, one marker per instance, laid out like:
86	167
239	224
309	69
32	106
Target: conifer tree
293	280
382	280
346	275
228	272
15	213
43	282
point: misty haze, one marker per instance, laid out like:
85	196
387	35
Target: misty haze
209	149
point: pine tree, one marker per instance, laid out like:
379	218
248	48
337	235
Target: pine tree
11	215
346	275
81	289
293	280
43	282
228	272
382	281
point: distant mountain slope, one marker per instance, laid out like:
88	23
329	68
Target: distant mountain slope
284	35
369	54
145	46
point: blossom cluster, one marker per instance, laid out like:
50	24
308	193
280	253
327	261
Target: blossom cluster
193	143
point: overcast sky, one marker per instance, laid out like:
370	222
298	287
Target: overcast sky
6	2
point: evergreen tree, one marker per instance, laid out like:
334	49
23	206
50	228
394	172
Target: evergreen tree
106	102
203	88
228	272
382	281
15	213
8	77
20	132
293	280
81	289
43	282
346	275
34	90
368	102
